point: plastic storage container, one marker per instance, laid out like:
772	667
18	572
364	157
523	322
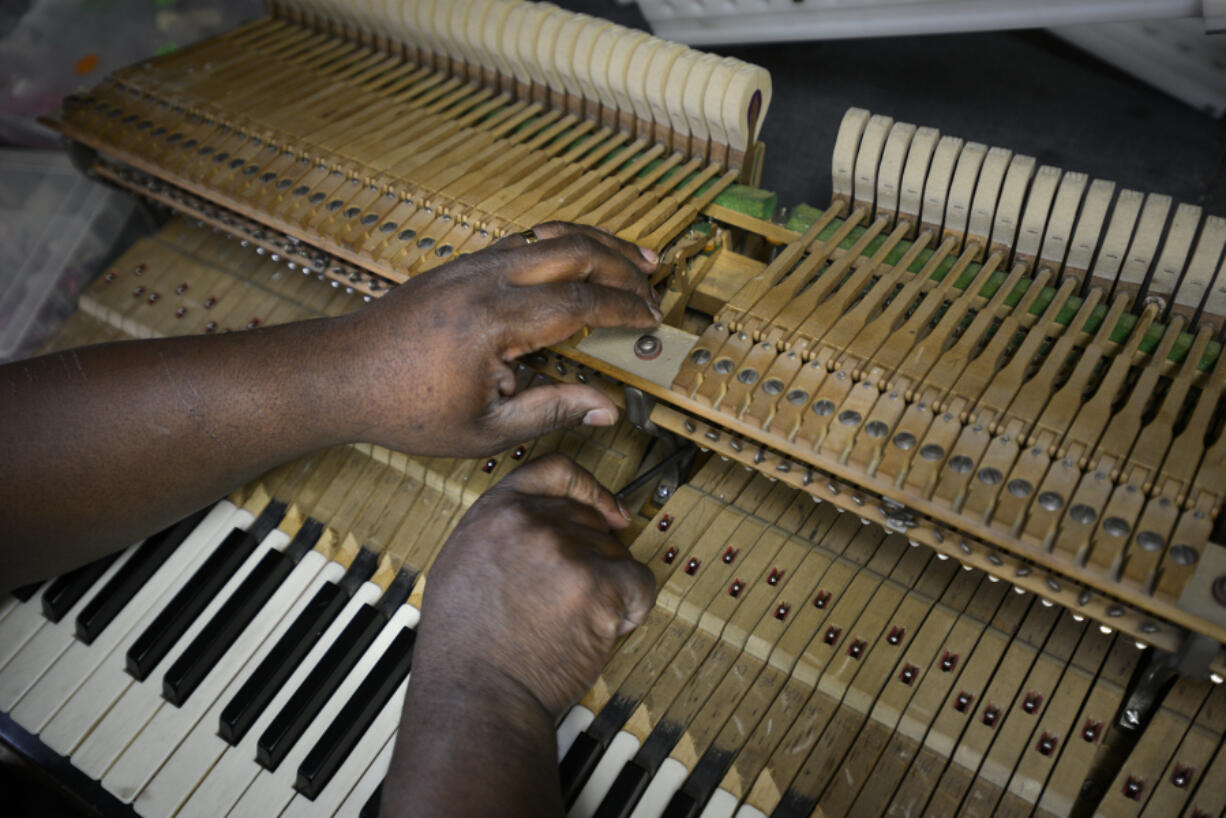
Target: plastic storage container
57	229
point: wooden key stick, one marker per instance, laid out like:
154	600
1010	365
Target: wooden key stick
1187	768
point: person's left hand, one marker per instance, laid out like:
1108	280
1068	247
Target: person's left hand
432	361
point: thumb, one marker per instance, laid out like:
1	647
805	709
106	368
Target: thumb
539	410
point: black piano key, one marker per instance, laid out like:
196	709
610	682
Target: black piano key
577	765
167	628
26	592
289	651
132	576
700	784
67	590
682	805
626	791
371	808
355	718
325	677
235	615
288	725
580	760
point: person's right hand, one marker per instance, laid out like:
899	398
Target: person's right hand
532	590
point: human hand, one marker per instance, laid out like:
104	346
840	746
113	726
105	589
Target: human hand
532	590
432	361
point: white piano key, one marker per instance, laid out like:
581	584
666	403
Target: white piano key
8	604
20	625
370	781
75	666
195	756
141	700
667	780
621	749
722	805
576	722
747	811
352	769
271	792
170	725
89	702
46	646
232	774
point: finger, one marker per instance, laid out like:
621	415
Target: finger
556	475
634	587
576	256
550	313
539	410
642	258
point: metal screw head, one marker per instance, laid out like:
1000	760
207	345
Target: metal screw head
647	347
700	356
1081	513
663	492
1020	488
849	417
961	464
772	386
1184	555
824	407
990	476
1117	526
932	452
904	441
724	365
877	428
1051	501
1149	540
797	396
747	376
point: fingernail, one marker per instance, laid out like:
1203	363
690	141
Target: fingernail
598	417
650	255
655	312
625	627
622	508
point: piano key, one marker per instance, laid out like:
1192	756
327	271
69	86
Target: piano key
621	749
628	787
356	716
363	800
200	750
236	614
18	627
170	725
132	578
577	764
342	655
722	805
42	650
269	677
77	665
230	775
271	791
26	592
8	604
371	807
357	763
66	591
659	793
151	647
141	700
575	722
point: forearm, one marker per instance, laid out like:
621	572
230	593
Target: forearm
105	444
471	746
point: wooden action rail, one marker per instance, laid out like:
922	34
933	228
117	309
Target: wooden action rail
399	161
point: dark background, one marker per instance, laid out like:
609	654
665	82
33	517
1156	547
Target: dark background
1023	90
